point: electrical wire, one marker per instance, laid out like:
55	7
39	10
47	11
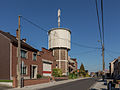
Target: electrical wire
110	54
115	52
102	19
77	44
98	22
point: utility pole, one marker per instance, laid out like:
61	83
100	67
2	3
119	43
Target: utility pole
103	49
101	33
19	56
103	57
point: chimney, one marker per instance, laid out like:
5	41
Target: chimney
24	40
17	33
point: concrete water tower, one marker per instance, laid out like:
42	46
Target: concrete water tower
60	44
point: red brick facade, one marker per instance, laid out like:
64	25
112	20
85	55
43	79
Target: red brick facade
44	54
61	57
35	81
31	59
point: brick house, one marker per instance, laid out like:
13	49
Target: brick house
116	68
33	61
75	62
72	65
111	67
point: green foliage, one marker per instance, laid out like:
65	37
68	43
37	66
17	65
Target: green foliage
39	76
82	69
57	72
87	75
72	76
6	80
82	72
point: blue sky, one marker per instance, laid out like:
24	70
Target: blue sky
77	15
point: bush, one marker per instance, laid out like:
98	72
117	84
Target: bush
72	76
57	72
39	76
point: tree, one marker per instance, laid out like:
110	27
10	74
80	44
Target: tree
82	70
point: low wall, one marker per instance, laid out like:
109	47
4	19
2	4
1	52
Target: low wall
9	84
60	78
35	81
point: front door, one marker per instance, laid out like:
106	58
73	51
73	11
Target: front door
33	71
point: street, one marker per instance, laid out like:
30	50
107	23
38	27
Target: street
84	84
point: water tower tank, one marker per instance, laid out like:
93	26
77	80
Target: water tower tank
59	38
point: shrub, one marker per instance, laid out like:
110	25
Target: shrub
72	76
57	72
39	76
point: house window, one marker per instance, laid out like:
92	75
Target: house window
23	54
24	70
35	56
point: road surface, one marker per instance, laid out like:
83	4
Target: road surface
84	84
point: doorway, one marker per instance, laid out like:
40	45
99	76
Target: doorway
33	71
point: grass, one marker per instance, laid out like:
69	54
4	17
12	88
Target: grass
6	80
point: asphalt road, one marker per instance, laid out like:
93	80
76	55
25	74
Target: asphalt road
84	84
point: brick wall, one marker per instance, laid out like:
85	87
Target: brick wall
44	54
4	57
35	81
28	82
48	55
63	53
27	62
60	78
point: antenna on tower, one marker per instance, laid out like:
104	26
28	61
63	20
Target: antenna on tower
58	18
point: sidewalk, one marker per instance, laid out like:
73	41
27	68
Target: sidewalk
45	85
99	85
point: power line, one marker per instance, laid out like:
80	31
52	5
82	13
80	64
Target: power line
102	19
80	44
102	38
115	52
77	44
98	22
34	24
85	52
110	55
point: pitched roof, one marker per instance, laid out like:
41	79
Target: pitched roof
15	41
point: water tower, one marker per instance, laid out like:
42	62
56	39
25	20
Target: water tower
60	44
